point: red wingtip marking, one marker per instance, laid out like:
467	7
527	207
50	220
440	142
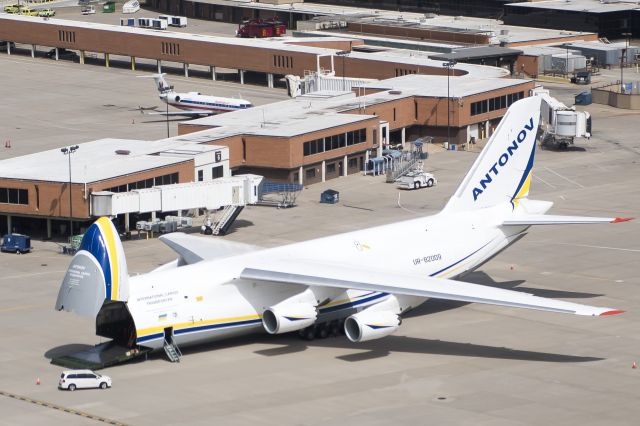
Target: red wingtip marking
614	312
622	219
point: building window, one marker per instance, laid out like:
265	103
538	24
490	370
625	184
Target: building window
146	183
329	143
217	172
200	175
310	173
67	36
353	163
14	196
494	104
331	168
281	61
170	48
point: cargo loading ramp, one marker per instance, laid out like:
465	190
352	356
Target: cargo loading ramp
101	356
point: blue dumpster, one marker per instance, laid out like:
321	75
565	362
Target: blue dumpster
583	98
330	196
16	243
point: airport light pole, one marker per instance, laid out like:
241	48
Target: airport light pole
448	65
68	150
343	53
622	59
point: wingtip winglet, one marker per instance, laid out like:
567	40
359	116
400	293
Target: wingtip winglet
612	312
622	219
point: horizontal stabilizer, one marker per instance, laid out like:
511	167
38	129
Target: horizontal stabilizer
309	273
193	249
526	220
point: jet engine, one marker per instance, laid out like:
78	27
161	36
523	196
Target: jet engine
294	313
375	322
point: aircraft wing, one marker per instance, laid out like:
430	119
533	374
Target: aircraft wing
311	273
547	219
194	113
192	249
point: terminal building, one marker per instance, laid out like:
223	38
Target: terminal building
323	135
41	191
313	138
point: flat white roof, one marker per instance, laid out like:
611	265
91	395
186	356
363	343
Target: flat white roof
271	43
598	45
436	86
288	118
323	110
98	160
516	34
591	6
546	50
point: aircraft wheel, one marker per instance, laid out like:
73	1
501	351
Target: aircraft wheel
335	328
308	333
323	331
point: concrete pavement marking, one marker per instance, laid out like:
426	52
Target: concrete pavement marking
564	177
61	408
585	245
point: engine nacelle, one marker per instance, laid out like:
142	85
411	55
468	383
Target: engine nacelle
375	322
365	325
286	317
294	313
173	98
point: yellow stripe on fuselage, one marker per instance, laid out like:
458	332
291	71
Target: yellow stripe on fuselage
179	326
107	230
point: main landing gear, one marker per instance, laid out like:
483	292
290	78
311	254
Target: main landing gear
323	330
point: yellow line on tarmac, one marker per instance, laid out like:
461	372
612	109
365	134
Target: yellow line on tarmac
22	307
61	408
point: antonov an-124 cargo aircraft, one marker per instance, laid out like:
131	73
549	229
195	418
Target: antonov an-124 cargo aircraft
365	280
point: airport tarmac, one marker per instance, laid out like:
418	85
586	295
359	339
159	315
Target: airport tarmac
61	103
449	363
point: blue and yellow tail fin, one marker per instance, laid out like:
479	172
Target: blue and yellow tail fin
97	272
502	172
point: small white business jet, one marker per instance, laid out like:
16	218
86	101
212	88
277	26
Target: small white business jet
194	103
366	279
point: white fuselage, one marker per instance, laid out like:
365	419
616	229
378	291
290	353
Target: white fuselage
208	300
194	101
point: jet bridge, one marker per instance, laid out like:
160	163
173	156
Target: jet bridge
561	124
238	190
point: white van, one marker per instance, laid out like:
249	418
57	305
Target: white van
83	379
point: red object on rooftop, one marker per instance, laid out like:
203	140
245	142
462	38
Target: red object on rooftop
258	28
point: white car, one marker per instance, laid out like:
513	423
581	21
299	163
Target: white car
83	379
416	179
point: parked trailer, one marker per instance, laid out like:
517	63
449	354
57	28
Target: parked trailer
174	21
127	22
156	24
